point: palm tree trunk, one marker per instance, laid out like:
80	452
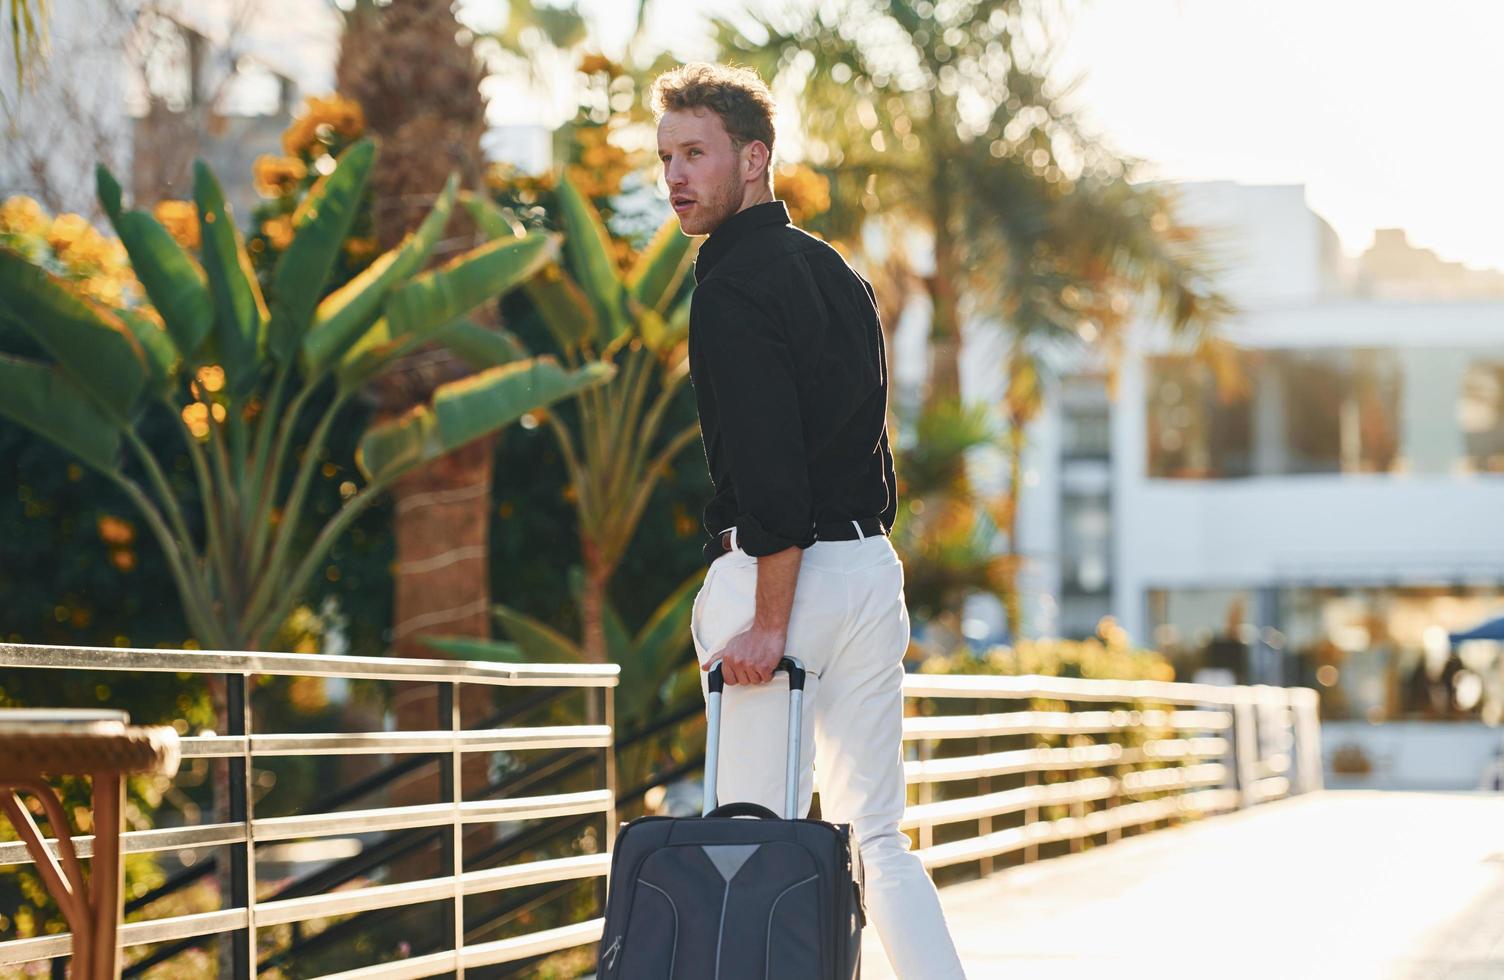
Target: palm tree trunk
1013	446
441	577
945	324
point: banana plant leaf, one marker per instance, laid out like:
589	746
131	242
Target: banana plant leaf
321	224
566	311
474	648
435	299
90	343
49	403
240	313
539	642
659	649
162	358
344	315
590	261
660	270
173	281
467	409
480	346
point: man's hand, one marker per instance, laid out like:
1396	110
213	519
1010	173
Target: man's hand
750	657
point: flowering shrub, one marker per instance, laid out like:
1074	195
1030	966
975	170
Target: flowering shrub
70	247
310	144
1107	656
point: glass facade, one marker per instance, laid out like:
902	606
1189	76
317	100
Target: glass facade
1378	653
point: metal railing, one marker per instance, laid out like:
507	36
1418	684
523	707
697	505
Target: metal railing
1134	753
241	913
999	766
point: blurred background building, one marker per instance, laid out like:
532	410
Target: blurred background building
1323	515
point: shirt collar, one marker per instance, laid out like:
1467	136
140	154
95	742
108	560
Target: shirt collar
734	229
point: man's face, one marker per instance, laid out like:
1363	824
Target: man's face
702	168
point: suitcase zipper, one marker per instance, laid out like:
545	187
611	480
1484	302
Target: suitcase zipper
612	952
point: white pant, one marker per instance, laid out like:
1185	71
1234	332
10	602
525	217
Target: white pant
850	628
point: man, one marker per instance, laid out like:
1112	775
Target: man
786	356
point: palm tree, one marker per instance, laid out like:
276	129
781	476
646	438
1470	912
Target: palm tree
28	34
419	88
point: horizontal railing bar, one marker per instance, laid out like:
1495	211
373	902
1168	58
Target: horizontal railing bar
1066	828
1276	765
1006	801
1059	723
1052	759
1154	780
131	934
495	740
212	746
306	664
533	944
1184	748
353	900
536	807
430	889
1013	761
1081	689
414	968
536	872
1271	788
139	841
428	815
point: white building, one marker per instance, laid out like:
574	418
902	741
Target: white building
1312	528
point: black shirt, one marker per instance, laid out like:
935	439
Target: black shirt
786	357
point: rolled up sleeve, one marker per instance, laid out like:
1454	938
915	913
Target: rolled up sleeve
746	361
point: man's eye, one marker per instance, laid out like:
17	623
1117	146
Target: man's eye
694	153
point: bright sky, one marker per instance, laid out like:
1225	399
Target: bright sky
1387	110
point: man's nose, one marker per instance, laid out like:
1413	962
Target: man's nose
674	175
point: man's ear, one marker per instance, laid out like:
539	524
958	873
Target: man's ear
756	160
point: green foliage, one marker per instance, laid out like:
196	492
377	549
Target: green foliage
247	380
1107	656
611	450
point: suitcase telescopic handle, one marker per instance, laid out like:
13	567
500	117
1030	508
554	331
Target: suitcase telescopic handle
795	670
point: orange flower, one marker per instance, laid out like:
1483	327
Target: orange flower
360	249
276	176
593	63
298	137
180	218
806	192
278	231
343	116
67	229
21	215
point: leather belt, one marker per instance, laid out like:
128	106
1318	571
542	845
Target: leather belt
871	527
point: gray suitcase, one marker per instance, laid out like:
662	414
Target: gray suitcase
720	898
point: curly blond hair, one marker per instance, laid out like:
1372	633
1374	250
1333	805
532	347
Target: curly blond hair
735	94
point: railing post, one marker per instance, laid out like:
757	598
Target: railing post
450	698
984	786
926	795
242	857
608	695
608	774
1306	710
1031	817
1115	796
1245	746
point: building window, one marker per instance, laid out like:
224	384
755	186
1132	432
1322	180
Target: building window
1480	414
1341	411
1086	544
1197	431
1085	418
